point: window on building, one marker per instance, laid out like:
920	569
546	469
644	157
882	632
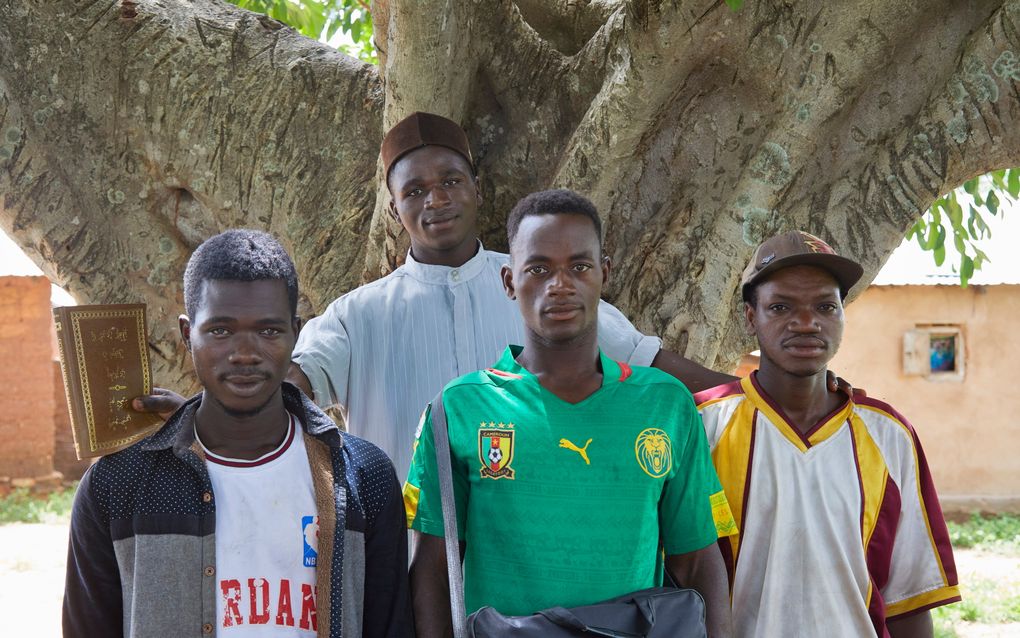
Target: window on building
934	351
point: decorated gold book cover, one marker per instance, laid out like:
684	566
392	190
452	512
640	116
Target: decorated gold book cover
105	362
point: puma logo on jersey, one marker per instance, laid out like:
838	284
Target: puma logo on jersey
583	451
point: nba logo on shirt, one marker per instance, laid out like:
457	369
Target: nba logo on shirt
310	531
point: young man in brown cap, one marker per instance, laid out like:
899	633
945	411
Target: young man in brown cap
382	351
840	530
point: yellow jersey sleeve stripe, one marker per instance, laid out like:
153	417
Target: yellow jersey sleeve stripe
732	456
725	525
873	474
411	495
927	600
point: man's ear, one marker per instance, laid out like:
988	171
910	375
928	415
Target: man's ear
393	213
749	317
297	324
185	325
607	266
478	189
507	276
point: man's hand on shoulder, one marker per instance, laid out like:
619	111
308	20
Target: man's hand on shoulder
839	384
162	402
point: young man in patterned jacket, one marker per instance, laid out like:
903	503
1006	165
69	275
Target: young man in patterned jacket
213	524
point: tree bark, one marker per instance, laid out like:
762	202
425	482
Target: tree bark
131	131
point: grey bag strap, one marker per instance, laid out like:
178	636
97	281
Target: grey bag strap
453	570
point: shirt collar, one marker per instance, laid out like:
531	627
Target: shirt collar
447	275
179	430
612	372
826	427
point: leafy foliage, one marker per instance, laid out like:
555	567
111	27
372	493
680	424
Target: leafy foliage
735	4
987	599
347	24
20	506
993	533
947	218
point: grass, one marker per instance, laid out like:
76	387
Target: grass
994	534
20	506
985	601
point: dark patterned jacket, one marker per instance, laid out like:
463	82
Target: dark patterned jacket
142	557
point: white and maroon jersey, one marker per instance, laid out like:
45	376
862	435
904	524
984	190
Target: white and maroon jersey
267	531
840	528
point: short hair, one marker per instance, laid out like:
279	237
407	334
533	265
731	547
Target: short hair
751	295
559	201
238	255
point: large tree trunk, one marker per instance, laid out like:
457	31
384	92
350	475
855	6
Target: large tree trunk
131	131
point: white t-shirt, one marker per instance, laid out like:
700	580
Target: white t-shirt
382	351
267	533
840	527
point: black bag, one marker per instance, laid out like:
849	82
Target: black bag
659	612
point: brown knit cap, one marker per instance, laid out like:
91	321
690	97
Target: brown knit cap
423	129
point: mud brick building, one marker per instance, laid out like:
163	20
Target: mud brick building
35	435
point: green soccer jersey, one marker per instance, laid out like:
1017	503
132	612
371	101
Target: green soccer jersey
566	504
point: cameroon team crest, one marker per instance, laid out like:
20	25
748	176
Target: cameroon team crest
654	452
496	450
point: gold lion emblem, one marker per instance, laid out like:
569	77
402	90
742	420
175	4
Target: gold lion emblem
654	452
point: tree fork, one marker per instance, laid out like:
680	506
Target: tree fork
131	131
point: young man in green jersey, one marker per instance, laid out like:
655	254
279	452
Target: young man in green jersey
573	473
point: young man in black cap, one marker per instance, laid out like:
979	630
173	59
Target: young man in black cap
840	530
249	513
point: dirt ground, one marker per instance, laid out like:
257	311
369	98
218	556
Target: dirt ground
32	559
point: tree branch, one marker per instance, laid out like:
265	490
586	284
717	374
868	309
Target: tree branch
150	126
567	24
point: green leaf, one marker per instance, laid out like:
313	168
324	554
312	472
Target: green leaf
955	212
936	210
984	232
735	4
966	270
323	20
971	187
331	29
958	242
992	203
931	236
968	227
916	229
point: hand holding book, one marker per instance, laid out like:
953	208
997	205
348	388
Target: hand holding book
105	363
